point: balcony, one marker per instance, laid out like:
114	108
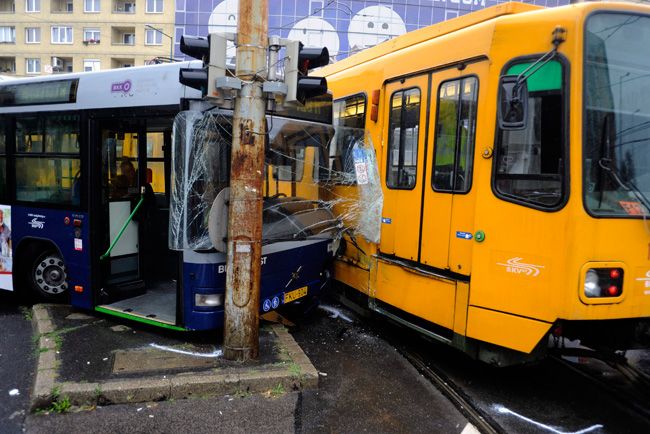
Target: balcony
123	35
61	6
61	65
122	62
91	41
7	6
123	7
7	65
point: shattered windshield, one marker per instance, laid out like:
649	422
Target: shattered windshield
617	114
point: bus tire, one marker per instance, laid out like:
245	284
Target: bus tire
47	277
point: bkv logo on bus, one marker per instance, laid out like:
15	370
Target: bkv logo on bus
35	223
122	86
513	265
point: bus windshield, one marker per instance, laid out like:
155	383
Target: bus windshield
617	114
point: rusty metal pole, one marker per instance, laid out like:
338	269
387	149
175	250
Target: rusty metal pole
243	272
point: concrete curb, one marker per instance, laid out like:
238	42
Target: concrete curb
297	375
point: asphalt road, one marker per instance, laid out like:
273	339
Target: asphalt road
17	363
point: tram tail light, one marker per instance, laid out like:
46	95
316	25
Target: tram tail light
603	282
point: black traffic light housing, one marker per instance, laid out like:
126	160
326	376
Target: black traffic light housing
300	60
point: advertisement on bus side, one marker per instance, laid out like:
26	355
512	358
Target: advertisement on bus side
6	281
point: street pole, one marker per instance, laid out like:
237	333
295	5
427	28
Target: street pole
243	272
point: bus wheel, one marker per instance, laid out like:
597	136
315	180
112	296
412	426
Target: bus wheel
48	277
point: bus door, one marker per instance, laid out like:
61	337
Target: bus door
448	209
121	141
404	156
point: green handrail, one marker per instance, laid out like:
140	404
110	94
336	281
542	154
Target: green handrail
126	223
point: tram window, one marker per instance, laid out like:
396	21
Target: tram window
403	134
530	162
47	159
349	122
455	133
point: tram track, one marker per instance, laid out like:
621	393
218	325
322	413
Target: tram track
483	422
633	399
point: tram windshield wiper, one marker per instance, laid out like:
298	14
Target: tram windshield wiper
608	166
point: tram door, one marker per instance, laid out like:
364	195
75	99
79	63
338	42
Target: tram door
448	205
403	158
121	142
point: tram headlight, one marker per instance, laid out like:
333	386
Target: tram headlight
592	288
603	282
208	300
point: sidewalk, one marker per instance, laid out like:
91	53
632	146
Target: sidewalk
363	384
91	360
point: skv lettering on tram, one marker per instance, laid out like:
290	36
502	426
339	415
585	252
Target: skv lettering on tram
515	266
222	267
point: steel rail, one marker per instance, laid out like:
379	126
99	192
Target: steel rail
481	421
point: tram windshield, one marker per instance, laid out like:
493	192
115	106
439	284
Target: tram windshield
617	115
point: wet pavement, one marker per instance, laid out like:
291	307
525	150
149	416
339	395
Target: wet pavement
365	385
17	363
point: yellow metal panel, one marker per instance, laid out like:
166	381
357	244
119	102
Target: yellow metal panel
460	310
420	295
521	334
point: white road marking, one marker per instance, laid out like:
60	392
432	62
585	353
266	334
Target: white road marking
470	429
215	353
504	410
334	312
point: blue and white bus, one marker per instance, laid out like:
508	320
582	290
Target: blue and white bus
80	152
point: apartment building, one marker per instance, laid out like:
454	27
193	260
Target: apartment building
56	36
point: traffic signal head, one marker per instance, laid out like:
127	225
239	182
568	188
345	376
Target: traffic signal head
299	61
212	51
195	46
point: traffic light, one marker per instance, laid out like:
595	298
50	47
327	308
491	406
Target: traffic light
212	51
300	61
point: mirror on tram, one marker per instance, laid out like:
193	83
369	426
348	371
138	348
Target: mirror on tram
513	103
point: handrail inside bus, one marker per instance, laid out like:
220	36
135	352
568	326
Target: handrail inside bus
126	223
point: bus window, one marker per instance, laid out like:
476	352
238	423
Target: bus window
3	162
403	129
156	160
530	163
122	162
455	131
47	159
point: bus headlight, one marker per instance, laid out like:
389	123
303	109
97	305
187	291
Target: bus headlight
208	300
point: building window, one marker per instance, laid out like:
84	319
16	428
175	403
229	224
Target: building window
32	35
61	35
455	131
32	5
153	37
316	8
403	129
154	6
91	6
128	38
91	36
8	35
91	65
33	66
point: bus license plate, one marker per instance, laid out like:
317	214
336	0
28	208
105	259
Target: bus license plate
295	294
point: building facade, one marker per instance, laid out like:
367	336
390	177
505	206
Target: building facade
53	36
343	26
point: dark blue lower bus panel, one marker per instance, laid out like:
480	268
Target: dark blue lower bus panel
291	270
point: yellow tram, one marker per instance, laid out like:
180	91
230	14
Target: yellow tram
513	147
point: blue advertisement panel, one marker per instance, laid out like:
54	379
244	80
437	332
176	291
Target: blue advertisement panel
343	26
